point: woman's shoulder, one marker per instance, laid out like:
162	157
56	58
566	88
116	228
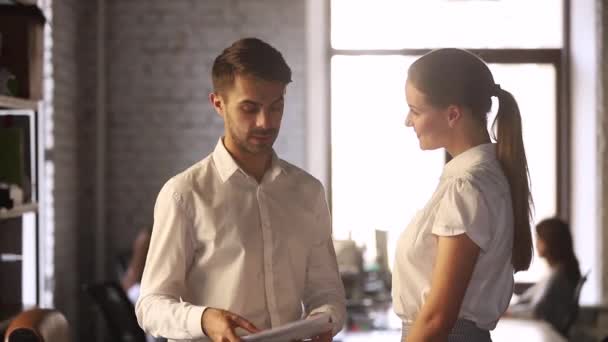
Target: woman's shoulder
481	178
486	177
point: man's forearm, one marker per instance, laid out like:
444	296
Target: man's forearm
162	315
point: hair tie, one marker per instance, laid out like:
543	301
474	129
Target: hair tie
497	89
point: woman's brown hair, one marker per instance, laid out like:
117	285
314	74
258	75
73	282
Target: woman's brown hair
455	76
557	239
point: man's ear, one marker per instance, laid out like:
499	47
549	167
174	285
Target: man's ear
218	103
454	114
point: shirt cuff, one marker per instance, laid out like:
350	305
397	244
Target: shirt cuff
332	313
195	326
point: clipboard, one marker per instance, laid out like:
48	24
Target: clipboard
296	330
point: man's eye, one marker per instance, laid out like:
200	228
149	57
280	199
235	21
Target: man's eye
249	108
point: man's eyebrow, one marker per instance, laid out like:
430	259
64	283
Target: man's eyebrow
281	98
251	102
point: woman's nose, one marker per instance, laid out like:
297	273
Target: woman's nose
408	122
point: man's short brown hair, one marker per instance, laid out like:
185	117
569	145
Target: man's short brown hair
250	57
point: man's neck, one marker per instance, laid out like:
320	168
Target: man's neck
254	165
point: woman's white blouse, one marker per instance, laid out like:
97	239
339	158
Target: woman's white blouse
472	198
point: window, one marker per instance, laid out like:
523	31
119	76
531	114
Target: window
427	24
379	176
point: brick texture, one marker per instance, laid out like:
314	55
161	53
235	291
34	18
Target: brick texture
158	61
73	73
160	55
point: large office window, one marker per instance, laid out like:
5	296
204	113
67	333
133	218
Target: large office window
379	176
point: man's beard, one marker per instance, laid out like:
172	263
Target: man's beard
244	144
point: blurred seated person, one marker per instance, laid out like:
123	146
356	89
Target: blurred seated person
550	299
132	277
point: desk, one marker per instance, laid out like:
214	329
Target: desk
516	329
507	330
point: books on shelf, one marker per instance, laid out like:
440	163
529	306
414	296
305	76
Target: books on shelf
18	152
12	156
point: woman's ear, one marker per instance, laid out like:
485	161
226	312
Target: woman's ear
454	114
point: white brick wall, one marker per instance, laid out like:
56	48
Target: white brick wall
64	156
159	63
73	58
159	55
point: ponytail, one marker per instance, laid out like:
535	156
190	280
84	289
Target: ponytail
512	157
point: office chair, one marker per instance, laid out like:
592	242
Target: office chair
122	264
570	319
38	325
117	311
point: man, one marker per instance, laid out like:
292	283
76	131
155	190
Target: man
241	239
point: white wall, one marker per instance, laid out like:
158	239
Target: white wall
586	177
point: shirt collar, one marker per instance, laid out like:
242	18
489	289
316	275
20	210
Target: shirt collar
468	159
276	167
227	166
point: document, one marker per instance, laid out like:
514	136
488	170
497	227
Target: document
297	330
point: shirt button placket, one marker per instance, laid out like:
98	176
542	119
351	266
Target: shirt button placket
268	267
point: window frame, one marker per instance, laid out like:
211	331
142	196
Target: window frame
558	57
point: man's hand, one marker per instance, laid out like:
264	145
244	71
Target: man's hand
324	337
219	325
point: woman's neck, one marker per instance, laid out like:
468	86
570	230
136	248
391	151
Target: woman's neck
467	141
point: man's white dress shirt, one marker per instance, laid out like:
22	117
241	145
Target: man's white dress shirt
472	198
263	251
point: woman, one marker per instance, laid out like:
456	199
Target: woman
453	274
132	278
551	299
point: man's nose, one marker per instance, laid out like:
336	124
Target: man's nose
263	119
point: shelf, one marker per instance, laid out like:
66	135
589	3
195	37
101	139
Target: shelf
17	103
17	211
10	257
27	7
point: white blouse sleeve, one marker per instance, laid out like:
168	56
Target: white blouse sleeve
464	210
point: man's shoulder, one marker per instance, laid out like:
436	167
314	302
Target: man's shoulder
186	180
299	175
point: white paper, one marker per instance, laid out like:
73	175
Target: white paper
293	331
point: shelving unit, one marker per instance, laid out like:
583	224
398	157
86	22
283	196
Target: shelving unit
10	102
21	53
18	211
